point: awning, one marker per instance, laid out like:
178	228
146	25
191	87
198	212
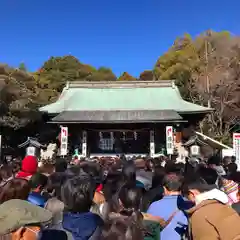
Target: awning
124	116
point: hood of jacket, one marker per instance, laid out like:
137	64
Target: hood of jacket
36	199
81	225
17	213
208	197
214	194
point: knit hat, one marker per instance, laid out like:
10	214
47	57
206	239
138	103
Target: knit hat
29	167
231	189
229	186
29	164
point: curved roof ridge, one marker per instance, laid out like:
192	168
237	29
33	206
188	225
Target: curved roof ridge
121	84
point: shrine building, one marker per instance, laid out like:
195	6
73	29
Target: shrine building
122	117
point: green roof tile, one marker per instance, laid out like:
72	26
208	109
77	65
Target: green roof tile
97	96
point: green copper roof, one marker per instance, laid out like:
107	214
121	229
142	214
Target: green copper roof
122	95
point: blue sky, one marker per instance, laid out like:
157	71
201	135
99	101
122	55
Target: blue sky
125	35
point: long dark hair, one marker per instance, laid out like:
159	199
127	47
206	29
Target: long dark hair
129	174
127	223
16	188
122	228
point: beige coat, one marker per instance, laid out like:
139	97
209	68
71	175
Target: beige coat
212	220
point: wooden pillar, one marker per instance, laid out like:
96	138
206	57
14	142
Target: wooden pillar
84	143
152	144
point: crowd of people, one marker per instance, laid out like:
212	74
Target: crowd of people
108	199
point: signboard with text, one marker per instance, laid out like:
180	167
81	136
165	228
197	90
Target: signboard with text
169	140
236	147
64	141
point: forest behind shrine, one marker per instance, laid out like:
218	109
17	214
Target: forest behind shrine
205	68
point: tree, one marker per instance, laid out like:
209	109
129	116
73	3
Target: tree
22	67
178	63
207	71
17	98
126	77
57	71
102	74
147	75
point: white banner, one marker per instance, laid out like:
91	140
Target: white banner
84	143
64	141
169	140
236	147
152	144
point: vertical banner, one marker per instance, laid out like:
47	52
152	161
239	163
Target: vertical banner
169	140
152	144
64	141
236	148
84	143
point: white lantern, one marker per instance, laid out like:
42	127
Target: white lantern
195	150
31	151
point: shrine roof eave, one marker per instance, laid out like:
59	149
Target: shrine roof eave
31	141
144	116
116	122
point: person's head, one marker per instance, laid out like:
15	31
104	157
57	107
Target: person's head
235	177
130	198
16	188
192	189
231	168
210	175
214	161
29	165
111	184
38	182
155	162
233	158
61	165
55	182
5	172
122	228
16	166
77	194
73	171
129	173
93	170
158	175
194	162
191	168
172	183
226	160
